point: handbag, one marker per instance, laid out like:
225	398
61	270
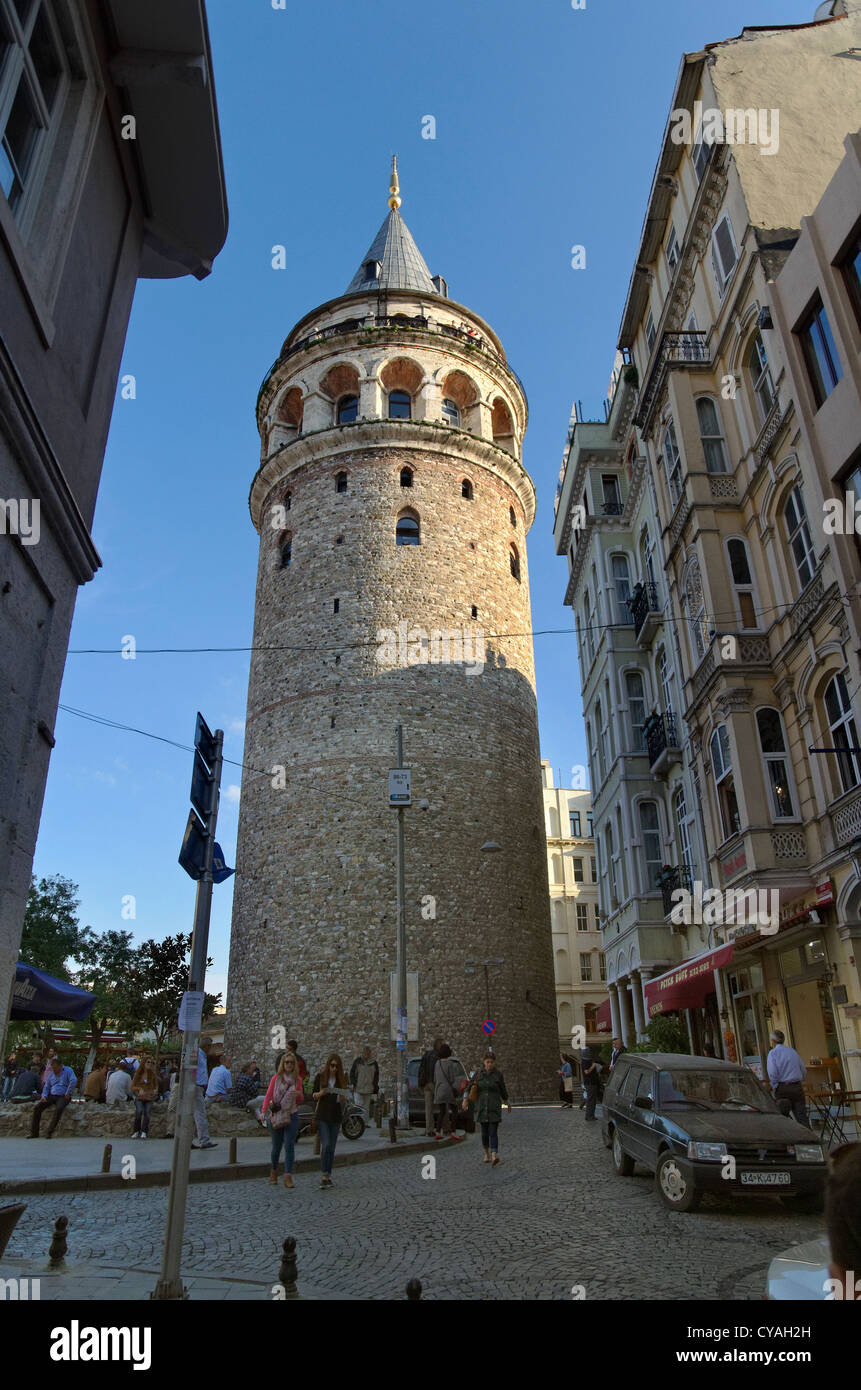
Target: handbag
568	1084
473	1092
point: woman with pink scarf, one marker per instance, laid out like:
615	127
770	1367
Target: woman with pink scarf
282	1101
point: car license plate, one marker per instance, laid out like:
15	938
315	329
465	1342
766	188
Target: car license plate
765	1179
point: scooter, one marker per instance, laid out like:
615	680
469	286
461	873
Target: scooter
353	1123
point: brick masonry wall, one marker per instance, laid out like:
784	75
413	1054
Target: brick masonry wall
314	922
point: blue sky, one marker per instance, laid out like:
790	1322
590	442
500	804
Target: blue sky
548	123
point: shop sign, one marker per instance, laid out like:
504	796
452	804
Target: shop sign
824	893
734	864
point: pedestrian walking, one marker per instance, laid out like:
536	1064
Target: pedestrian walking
365	1078
283	1098
786	1072
488	1092
566	1083
330	1088
201	1081
616	1053
427	1070
590	1070
144	1092
56	1092
445	1094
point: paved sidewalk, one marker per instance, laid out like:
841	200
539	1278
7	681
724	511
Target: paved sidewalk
112	1283
74	1165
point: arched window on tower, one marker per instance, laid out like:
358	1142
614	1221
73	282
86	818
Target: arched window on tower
285	551
451	412
407	531
348	409
512	516
406	477
288	501
340	482
400	405
514	562
466	490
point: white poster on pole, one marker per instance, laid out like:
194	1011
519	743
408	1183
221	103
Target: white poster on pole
191	1011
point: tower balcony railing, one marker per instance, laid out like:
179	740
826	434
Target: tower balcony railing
645	611
662	743
677	349
612	508
673	877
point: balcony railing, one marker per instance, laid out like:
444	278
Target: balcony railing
677	349
671	880
660	733
612	508
643	601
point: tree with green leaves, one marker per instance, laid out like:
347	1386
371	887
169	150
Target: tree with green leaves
108	967
665	1033
163	974
51	932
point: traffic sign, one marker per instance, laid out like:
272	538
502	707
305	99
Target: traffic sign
400	787
192	856
488	1026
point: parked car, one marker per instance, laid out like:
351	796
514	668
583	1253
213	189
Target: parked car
416	1099
704	1125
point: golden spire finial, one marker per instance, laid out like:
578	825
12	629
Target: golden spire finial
394	186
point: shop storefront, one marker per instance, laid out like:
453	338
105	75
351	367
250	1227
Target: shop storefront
693	990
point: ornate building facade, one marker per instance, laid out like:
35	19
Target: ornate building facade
392	507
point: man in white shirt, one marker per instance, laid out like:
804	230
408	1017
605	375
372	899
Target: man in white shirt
119	1087
220	1083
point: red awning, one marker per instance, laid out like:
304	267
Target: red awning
686	986
603	1018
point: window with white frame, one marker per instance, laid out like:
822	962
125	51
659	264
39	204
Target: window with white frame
574	819
711	435
582	916
602	771
724	253
701	155
673	462
594	861
602	965
578	870
820	353
759	373
33	85
650	833
611	864
622	583
647	557
636	698
683	832
742	581
844	734
673	250
588	628
665	676
607	730
620	840
724	781
651	331
772	745
696	606
798	536
585	967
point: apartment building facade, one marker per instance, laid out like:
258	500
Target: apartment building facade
763	639
578	956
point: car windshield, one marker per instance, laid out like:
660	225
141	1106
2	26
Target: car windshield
713	1090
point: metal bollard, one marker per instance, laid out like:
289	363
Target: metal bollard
288	1269
106	1158
231	1155
414	1290
57	1252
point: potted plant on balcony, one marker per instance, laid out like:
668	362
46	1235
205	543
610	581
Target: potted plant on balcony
631	376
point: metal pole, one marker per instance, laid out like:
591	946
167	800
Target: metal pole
402	1102
170	1280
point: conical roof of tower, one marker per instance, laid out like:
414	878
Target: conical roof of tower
401	263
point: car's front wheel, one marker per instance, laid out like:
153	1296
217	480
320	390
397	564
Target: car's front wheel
676	1187
622	1162
804	1202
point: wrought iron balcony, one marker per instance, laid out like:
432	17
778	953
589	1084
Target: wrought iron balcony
612	508
645	610
662	743
676	349
674	877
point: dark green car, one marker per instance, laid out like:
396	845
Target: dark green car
703	1125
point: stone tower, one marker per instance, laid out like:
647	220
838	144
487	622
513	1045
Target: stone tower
392	509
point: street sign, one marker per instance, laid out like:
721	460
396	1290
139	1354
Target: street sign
201	781
192	856
488	1026
399	787
204	741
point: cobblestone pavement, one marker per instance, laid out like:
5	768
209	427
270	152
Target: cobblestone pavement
552	1215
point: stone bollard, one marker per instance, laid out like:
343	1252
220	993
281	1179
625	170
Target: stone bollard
414	1290
231	1154
57	1252
288	1269
106	1158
